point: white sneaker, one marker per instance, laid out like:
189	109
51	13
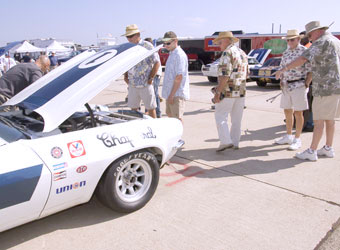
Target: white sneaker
295	145
287	139
308	154
324	152
223	147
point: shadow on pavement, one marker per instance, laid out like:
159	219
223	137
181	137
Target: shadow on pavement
90	213
244	168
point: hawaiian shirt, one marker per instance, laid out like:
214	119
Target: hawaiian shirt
234	64
139	74
324	55
294	78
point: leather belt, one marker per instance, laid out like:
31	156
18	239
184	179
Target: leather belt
301	79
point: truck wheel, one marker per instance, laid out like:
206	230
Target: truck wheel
130	182
261	83
212	79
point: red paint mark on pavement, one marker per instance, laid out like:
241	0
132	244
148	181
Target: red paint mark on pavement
178	172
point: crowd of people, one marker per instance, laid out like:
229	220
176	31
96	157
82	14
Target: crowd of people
317	62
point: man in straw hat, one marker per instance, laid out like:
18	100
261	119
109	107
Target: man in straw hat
232	75
140	77
324	55
294	85
176	77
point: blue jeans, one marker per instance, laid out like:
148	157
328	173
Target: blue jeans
156	82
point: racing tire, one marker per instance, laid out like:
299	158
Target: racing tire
130	182
212	79
261	83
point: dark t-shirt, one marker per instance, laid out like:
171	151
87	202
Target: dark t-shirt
53	60
19	77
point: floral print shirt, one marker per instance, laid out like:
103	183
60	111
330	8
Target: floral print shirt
234	64
324	55
299	73
139	74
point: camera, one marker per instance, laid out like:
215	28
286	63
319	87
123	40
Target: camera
213	90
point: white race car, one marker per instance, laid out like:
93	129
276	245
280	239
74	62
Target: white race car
54	157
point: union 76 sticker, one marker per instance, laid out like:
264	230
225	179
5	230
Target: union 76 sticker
76	149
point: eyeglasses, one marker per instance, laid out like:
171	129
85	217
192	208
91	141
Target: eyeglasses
130	36
290	40
168	43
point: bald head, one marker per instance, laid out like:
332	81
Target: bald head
43	62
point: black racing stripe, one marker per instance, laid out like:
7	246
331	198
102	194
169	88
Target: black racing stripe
18	186
59	84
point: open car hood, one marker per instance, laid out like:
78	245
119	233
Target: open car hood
65	90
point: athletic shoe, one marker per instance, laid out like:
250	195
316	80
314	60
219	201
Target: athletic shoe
287	139
324	152
308	154
223	147
295	145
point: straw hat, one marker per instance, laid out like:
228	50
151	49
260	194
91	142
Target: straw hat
131	30
292	34
314	25
225	34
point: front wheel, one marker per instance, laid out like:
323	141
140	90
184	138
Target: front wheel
261	83
130	182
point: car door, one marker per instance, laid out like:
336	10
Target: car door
25	184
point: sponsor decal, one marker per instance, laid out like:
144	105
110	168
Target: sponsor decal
56	152
59	175
110	140
81	169
76	149
149	134
70	187
59	166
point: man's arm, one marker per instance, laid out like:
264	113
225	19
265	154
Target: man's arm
126	77
222	83
175	87
153	72
296	63
308	79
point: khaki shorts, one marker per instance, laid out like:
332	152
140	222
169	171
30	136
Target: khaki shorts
176	109
295	99
326	107
146	94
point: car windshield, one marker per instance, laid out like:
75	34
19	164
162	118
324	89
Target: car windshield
8	132
272	62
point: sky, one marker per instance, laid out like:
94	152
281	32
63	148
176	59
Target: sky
82	21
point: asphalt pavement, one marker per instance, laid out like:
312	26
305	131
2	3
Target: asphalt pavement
258	197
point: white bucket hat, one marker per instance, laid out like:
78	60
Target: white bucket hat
314	25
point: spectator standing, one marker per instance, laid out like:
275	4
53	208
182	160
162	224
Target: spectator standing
176	77
141	76
26	58
53	60
8	62
156	82
21	76
232	75
294	85
324	55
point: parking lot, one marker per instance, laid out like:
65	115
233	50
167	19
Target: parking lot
258	197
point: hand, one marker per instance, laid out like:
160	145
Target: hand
217	98
150	80
171	99
278	74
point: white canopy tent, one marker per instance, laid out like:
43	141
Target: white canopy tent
25	47
57	48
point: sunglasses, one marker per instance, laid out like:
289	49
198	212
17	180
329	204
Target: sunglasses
130	36
290	40
168	43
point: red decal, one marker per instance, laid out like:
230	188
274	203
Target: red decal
81	169
76	149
